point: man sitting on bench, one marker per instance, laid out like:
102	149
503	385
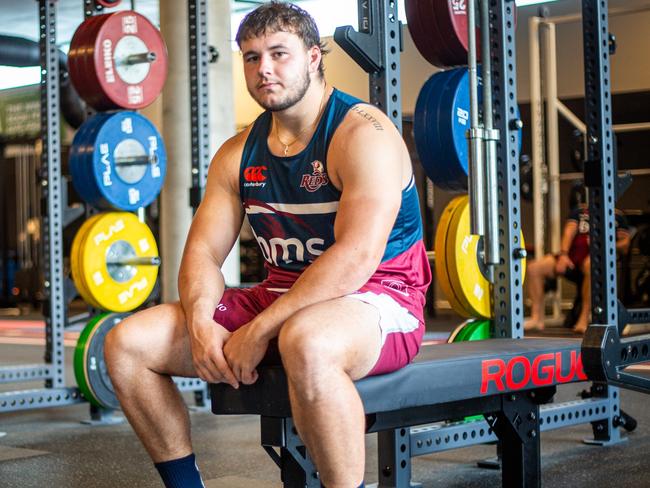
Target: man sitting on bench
573	263
327	185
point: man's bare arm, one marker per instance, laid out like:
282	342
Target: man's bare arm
213	232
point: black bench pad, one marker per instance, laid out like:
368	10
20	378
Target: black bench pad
441	373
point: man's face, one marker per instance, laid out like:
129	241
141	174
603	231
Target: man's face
277	68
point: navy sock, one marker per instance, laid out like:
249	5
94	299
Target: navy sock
180	473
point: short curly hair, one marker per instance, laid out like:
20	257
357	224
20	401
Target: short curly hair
277	16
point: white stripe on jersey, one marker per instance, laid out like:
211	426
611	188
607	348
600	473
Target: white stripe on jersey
295	208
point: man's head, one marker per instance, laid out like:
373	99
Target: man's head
282	51
279	16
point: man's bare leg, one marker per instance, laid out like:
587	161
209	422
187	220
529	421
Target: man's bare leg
324	348
142	353
536	272
583	320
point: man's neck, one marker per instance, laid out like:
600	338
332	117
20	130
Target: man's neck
304	113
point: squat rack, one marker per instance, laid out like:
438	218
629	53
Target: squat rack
373	48
56	214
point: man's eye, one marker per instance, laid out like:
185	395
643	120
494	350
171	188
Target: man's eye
251	59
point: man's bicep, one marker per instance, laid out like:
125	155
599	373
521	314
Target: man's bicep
371	178
218	220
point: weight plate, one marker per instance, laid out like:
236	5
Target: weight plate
125	84
129	161
115	236
89	365
457	331
467	272
440	26
452	22
77	53
77	276
468	279
78	159
109	3
424	131
441	264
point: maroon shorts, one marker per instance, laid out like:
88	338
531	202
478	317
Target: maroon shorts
401	331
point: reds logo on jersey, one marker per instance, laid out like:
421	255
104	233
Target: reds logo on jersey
318	178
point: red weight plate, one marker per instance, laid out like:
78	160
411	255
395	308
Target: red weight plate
452	18
76	57
134	87
108	3
96	95
439	38
426	41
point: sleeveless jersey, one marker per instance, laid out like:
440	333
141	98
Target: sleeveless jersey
291	205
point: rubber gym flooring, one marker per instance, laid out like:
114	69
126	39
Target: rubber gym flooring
52	448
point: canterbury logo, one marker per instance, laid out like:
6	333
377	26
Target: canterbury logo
254	174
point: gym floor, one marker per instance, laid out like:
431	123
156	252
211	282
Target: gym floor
51	447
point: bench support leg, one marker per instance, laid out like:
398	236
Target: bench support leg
517	427
394	459
605	431
297	470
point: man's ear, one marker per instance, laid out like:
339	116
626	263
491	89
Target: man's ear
315	56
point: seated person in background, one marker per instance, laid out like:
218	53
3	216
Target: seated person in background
572	262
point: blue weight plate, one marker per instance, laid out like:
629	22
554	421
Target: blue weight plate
77	164
129	186
454	116
420	128
439	136
427	130
87	162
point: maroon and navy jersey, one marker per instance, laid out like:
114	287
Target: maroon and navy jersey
291	205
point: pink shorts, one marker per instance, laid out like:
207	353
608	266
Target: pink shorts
401	331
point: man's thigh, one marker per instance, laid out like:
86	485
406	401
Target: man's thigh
157	338
364	333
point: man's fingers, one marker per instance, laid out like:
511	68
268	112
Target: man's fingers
226	373
250	377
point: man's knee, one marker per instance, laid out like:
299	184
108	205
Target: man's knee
303	349
120	344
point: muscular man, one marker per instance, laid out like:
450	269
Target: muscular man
573	262
327	185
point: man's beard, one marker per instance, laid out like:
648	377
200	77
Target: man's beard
290	99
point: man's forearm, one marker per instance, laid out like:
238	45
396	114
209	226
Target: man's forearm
200	286
336	273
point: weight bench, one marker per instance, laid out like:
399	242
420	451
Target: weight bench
506	380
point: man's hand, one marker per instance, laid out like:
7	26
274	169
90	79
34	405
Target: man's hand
562	264
244	351
207	343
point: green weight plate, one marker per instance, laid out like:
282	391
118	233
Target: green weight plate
480	330
472	330
89	366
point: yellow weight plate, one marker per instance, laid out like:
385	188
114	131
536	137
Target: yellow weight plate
113	233
467	274
90	299
441	264
463	261
75	263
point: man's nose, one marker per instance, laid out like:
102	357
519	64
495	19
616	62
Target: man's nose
265	67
